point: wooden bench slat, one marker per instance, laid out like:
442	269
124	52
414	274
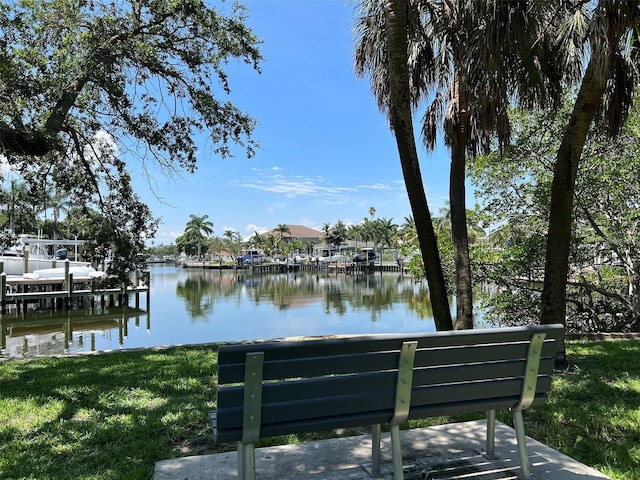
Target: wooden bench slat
476	353
309	408
286	350
314	366
470	391
285	406
285	391
386	360
458	408
363	419
379	381
434	375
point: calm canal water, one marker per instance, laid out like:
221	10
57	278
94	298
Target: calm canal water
203	306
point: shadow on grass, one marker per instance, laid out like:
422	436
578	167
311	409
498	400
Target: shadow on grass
104	417
593	412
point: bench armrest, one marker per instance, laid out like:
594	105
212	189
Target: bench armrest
531	371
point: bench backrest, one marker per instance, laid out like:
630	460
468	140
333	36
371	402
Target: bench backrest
322	384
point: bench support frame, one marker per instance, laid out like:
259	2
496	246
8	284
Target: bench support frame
526	399
251	416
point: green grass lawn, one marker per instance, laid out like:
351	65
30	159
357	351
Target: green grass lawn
113	416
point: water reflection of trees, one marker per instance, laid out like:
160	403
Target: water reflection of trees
339	294
202	288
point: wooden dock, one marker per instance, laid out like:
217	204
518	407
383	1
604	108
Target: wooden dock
341	267
64	293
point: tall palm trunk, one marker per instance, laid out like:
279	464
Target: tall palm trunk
554	303
612	19
460	237
457	200
402	124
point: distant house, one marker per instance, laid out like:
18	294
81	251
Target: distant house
301	233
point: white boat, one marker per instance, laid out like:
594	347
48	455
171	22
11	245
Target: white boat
38	258
58	272
334	258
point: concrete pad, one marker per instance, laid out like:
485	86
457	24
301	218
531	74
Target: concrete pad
452	451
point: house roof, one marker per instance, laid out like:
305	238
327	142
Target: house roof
301	232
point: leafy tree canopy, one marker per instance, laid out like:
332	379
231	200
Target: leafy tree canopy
604	279
147	69
84	83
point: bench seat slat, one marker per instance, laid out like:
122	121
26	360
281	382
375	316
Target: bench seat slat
473	391
326	406
315	366
292	350
435	375
503	393
291	390
377	382
457	408
233	434
364	419
426	355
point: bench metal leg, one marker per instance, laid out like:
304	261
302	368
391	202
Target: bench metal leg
490	452
518	422
246	461
375	449
396	450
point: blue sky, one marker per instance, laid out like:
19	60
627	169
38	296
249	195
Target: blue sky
327	153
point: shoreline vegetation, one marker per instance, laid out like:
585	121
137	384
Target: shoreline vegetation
113	415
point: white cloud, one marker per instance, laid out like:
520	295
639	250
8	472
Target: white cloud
253	228
233	229
166	236
294	186
376	186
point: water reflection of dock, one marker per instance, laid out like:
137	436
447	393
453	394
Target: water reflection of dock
51	332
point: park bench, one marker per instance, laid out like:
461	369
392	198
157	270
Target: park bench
279	387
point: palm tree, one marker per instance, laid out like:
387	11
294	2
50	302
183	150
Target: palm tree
17	195
458	50
281	229
608	82
388	234
408	230
335	235
233	243
269	243
59	202
398	107
307	246
356	232
257	240
198	227
368	231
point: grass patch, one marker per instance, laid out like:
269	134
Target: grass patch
113	416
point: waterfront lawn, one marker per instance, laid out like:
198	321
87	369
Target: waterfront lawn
113	416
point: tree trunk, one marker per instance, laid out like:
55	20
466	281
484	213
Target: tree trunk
554	303
457	200
402	124
459	235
